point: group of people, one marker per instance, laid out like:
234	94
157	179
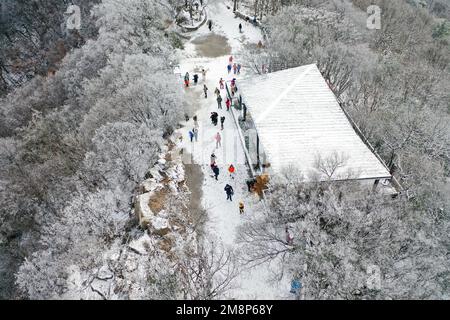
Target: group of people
215	118
236	67
230	192
219	97
193	134
233	87
194	78
228	188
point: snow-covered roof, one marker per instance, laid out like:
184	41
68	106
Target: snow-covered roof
299	122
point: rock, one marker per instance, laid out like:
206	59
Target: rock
140	245
164	150
101	287
165	245
143	212
160	226
176	173
154	172
357	292
131	265
163	214
151	185
162	162
173	187
104	273
74	280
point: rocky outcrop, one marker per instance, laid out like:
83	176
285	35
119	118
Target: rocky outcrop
165	177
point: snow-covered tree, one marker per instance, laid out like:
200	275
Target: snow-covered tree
345	237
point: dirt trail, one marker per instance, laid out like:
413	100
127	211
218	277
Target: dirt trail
192	101
194	173
212	45
194	180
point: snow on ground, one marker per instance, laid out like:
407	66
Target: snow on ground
223	216
225	24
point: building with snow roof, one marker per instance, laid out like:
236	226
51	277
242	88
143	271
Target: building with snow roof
297	122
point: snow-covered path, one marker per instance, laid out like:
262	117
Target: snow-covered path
223	216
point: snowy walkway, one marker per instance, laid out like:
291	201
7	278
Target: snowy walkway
223	216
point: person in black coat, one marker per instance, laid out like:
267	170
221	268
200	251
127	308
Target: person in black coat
219	101
214	116
229	190
216	171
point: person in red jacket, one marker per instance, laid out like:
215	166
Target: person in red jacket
228	104
231	170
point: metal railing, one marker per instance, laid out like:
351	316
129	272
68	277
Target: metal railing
396	183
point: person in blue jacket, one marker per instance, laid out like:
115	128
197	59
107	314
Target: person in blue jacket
296	286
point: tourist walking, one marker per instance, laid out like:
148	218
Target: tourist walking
235	68
203	75
210	25
228	104
218	140
229	190
231	170
213	159
195	122
216	172
191	135
195	131
289	237
229	68
217	91
214	118
205	90
186	79
221	83
219	101
239	66
241	207
222	120
195	79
